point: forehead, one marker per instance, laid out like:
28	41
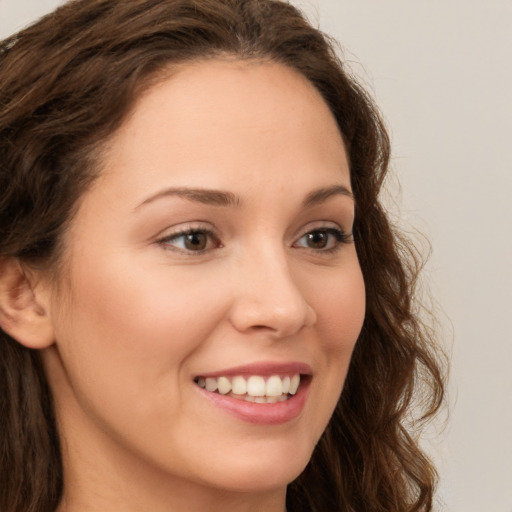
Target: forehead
219	122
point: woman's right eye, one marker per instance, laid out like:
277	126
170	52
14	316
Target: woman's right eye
191	240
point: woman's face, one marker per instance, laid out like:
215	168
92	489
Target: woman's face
214	250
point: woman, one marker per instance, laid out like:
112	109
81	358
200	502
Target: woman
203	304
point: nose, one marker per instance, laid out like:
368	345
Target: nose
268	297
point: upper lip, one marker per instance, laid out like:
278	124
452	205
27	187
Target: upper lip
263	369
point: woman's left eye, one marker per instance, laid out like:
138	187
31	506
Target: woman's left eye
323	239
193	240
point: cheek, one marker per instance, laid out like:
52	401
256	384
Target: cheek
125	341
135	307
127	330
341	309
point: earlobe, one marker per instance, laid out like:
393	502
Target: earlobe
24	312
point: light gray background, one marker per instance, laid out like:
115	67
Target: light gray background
441	71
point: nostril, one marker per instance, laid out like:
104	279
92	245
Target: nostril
277	307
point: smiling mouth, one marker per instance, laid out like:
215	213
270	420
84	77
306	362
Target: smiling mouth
254	388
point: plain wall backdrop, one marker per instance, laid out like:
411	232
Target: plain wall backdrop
441	71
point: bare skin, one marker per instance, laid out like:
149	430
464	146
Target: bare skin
164	285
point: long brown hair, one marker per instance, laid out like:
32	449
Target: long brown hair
66	83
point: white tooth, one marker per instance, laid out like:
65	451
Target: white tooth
239	386
256	386
211	384
274	386
249	398
260	399
282	398
224	385
286	385
294	384
271	399
201	382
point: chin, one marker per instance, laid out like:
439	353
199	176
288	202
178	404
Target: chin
260	474
258	481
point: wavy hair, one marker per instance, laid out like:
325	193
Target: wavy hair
67	83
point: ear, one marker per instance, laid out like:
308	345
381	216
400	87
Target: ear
24	307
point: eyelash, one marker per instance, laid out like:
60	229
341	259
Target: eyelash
340	238
166	241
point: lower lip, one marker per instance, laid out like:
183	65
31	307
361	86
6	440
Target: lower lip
263	414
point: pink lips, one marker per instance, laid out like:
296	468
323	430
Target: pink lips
264	369
263	414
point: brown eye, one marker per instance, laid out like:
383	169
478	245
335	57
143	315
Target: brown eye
323	240
194	240
317	239
197	241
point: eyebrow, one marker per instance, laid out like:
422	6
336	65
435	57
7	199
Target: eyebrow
319	196
224	198
199	195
